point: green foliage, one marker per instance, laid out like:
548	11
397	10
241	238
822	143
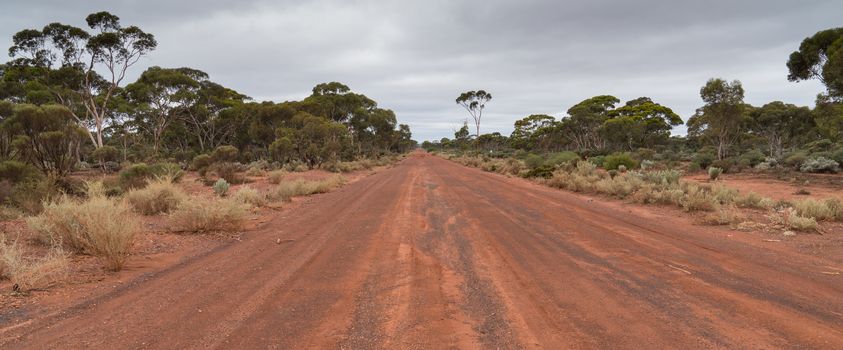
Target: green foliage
106	154
725	165
752	158
714	173
561	158
704	159
221	187
613	161
201	163
137	175
820	165
795	159
226	153
533	161
46	136
820	57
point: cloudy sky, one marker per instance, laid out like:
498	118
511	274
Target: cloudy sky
416	57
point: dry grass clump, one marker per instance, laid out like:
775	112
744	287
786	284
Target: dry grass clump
99	226
276	176
753	200
725	215
31	273
251	196
301	187
789	218
209	215
829	209
159	196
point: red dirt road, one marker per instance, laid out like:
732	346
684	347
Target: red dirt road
430	255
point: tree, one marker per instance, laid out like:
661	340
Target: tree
474	102
582	126
781	125
721	120
45	136
640	123
820	57
66	61
160	95
529	129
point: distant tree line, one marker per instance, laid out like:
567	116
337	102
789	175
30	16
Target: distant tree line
64	98
725	130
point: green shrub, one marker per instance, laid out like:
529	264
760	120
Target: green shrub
694	167
714	173
704	159
647	164
560	158
820	165
229	171
221	187
597	160
752	158
225	154
533	161
795	160
106	154
15	171
727	165
837	155
542	171
613	161
201	163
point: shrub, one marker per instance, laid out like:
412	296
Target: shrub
229	172
647	164
533	161
790	219
542	171
795	160
221	187
820	165
137	175
160	196
725	215
597	160
613	161
106	154
301	187
30	195
663	177
698	199
829	209
248	195
15	172
217	215
726	164
201	163
29	273
753	158
560	158
753	200
694	167
714	173
704	159
276	176
98	225
837	155
228	154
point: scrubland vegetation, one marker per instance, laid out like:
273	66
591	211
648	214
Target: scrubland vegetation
67	117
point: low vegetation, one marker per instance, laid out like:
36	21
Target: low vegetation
250	196
27	272
159	196
209	215
300	187
96	225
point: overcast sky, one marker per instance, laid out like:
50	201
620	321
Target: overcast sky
416	57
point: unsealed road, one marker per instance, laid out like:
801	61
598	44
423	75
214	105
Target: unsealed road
433	255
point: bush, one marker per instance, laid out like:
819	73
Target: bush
16	172
301	187
542	171
837	155
533	161
228	154
216	215
753	158
795	160
137	175
613	161
229	172
221	187
725	215
201	163
160	196
714	173
276	176
694	167
726	165
30	195
829	209
597	160
647	164
29	273
561	158
790	219
820	165
106	154
98	225
704	159
248	195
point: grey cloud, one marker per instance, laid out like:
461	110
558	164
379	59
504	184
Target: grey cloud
415	57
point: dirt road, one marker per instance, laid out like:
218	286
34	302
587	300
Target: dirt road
432	255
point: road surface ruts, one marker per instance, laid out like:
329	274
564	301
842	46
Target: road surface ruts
430	255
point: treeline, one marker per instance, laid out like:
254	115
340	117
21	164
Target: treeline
725	131
64	101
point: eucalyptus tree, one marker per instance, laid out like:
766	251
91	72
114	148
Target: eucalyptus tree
584	120
474	102
640	123
721	120
820	57
68	62
782	126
